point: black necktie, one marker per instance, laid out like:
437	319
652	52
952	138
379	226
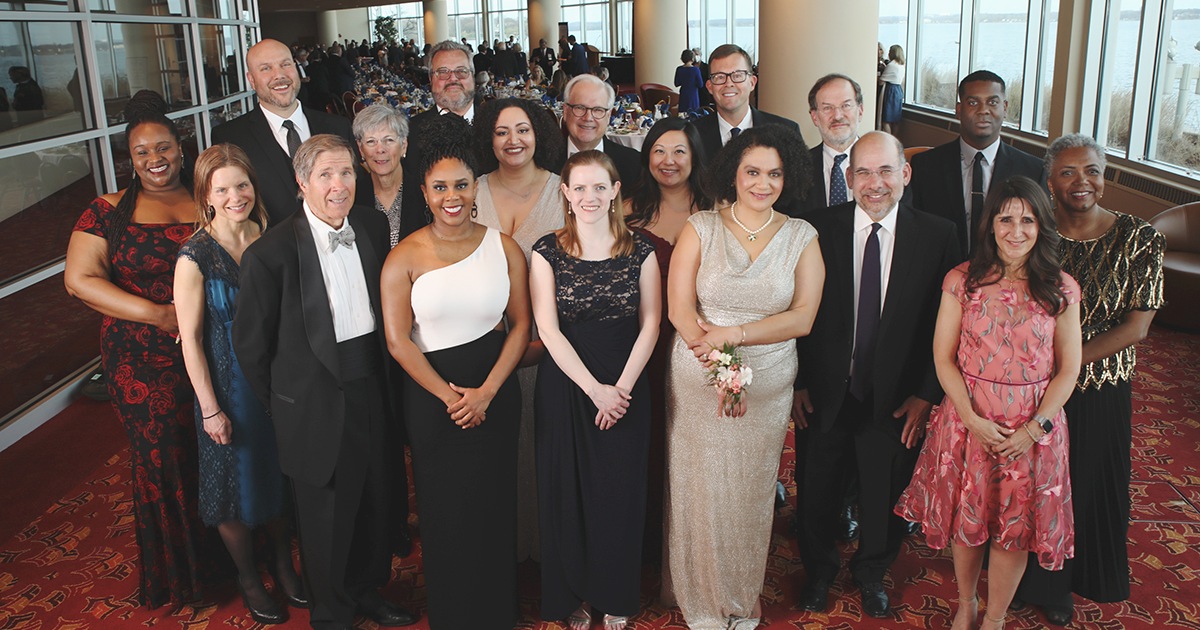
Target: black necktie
976	209
293	138
733	133
837	181
869	299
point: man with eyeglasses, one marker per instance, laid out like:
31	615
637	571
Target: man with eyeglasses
953	179
271	132
731	79
835	103
867	380
587	106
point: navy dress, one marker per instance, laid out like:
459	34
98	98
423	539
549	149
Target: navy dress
689	82
241	480
592	483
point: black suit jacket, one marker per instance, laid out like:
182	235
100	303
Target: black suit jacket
710	131
817	195
937	182
926	248
276	179
628	163
284	339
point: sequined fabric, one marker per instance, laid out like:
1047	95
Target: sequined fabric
393	215
721	471
1118	272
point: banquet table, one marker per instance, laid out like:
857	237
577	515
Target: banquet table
634	140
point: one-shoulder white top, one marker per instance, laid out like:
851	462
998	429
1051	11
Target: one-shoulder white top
463	301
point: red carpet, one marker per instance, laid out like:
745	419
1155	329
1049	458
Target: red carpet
67	560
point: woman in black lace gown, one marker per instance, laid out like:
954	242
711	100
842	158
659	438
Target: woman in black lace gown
596	299
241	485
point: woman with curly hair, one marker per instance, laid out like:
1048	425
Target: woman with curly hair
992	474
520	146
745	276
456	313
121	262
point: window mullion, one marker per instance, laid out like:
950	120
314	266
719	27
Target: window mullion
1143	79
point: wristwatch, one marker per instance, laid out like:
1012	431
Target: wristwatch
1045	423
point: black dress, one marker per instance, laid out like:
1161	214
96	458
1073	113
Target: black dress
592	483
466	480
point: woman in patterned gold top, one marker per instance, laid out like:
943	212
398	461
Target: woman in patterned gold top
1117	260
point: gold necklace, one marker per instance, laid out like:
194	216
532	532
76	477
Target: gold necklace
525	196
751	235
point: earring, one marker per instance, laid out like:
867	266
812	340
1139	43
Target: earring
474	210
569	208
428	215
612	206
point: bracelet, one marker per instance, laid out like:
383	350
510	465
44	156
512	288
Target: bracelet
215	414
743	327
1030	432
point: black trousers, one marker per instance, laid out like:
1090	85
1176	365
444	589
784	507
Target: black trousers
344	545
872	446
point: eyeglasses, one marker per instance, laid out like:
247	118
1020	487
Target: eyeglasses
581	110
845	108
884	173
738	76
459	73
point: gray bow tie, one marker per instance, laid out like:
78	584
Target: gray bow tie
344	236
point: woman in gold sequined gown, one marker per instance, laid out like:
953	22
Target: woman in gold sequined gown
748	276
1117	260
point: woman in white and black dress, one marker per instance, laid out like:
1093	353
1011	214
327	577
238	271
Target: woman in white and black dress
447	292
596	295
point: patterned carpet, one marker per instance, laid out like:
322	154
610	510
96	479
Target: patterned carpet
72	566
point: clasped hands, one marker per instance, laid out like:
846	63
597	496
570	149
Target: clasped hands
1002	441
718	337
470	409
612	401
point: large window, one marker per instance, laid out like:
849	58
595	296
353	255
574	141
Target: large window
715	22
66	78
465	18
508	17
410	20
588	21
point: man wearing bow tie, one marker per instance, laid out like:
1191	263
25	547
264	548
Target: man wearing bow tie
310	339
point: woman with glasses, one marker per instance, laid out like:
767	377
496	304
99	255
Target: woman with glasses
519	196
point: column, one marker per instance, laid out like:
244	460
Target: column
659	37
1072	59
437	27
327	27
543	23
800	42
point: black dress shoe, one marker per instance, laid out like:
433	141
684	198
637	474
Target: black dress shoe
266	615
911	528
815	596
875	600
403	544
849	532
385	613
780	495
1059	615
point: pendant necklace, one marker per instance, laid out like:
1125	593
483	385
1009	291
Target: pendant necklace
751	235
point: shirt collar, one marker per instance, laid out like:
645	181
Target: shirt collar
469	116
276	121
746	123
862	221
321	230
572	149
831	153
968	152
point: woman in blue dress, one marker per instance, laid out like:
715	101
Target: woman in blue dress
689	82
241	485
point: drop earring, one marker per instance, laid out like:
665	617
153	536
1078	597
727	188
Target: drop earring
474	210
569	209
612	206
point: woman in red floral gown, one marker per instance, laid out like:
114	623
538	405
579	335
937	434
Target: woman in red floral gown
993	473
121	262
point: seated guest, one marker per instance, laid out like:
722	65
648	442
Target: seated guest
1007	352
520	196
1117	259
241	485
558	83
456	311
595	288
381	132
953	179
309	338
587	107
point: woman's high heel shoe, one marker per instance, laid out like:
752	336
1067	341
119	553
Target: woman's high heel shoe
268	615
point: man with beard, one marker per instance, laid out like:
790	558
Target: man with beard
271	133
836	106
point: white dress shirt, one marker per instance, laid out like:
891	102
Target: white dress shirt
469	116
277	130
887	245
725	127
827	155
968	165
572	149
345	283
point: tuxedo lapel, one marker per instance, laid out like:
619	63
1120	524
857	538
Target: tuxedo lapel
843	256
318	321
905	246
371	262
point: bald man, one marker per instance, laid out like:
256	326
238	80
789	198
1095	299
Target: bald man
266	132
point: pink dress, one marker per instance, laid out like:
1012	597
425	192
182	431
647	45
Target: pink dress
960	491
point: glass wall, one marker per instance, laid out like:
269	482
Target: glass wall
69	68
410	22
715	22
588	21
508	17
465	19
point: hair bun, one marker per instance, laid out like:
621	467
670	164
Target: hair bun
146	103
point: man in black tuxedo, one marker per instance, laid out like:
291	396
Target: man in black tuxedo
271	132
835	103
867	380
731	80
309	336
944	179
544	56
341	69
587	106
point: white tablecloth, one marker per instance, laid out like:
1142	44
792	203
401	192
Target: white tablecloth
631	140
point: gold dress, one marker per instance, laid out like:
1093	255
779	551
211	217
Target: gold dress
721	471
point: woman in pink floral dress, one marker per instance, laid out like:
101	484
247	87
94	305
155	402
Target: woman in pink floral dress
1007	348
